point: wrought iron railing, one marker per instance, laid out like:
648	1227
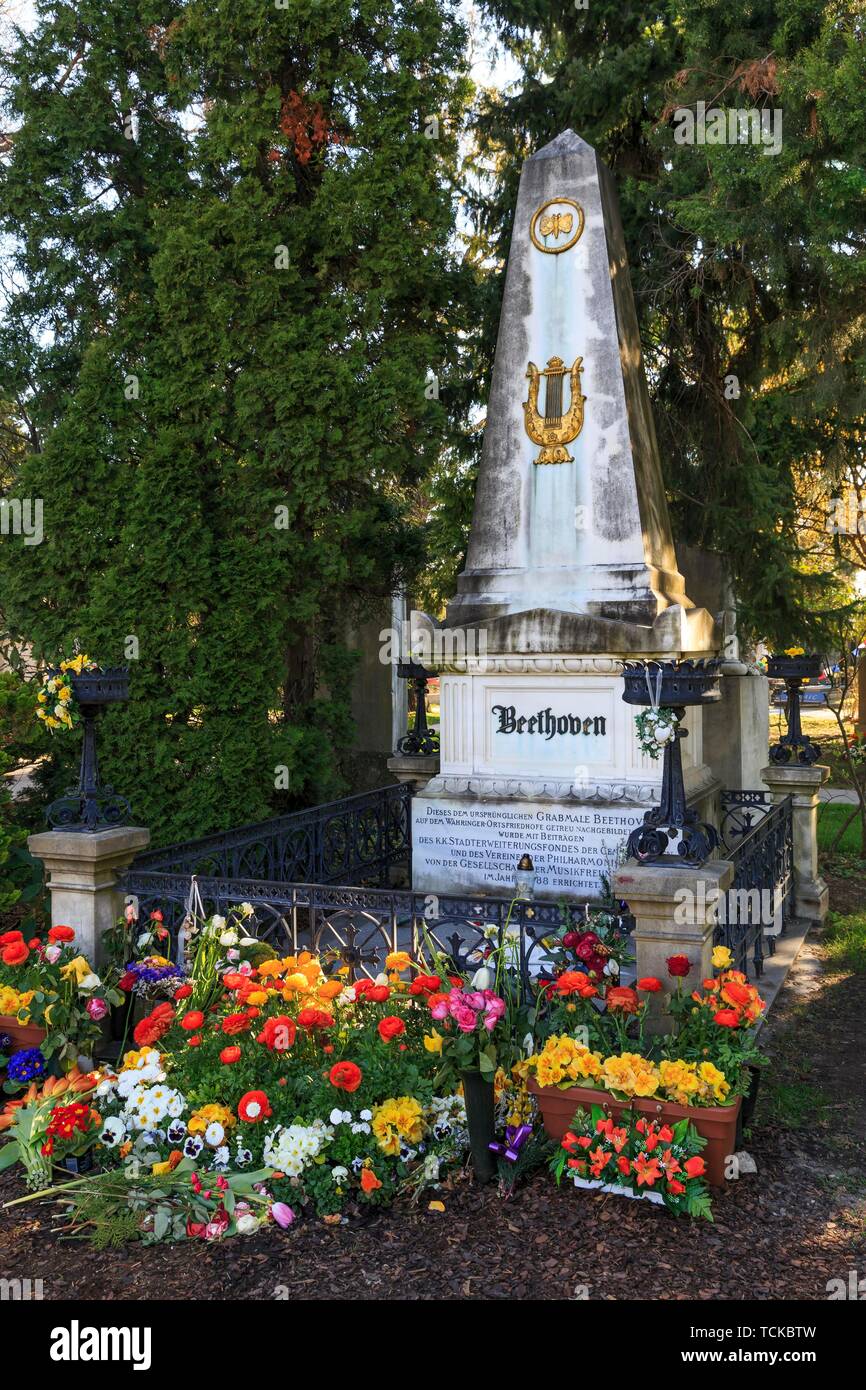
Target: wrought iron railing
758	839
359	926
360	839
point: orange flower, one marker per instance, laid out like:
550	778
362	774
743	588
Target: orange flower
369	1181
230	1055
314	1018
695	1167
649	984
192	1021
154	1025
236	1023
346	1076
59	933
330	989
623	998
15	953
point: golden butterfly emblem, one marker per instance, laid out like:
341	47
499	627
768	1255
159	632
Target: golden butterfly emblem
556	224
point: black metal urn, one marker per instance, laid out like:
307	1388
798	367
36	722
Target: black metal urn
674	685
793	670
422	740
91	805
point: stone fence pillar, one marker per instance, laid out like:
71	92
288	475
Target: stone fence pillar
811	894
82	873
675	910
414	767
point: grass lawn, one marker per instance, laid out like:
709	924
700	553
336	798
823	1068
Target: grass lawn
830	822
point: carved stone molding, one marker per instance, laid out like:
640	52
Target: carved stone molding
527	665
525	789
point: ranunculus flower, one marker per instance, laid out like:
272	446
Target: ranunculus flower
283	1215
390	1027
346	1076
60	933
727	1018
378	994
623	998
15	953
194	1040
97	1008
254	1107
278	1034
678	966
156	1023
192	1021
230	1055
182	992
649	984
425	984
233	1024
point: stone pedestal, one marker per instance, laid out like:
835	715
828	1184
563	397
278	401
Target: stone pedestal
418	769
811	894
82	875
675	909
737	728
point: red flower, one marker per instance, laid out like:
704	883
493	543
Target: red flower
278	1034
346	1076
192	1021
15	953
156	916
254	1107
194	1041
676	1187
369	1181
571	938
61	934
9	937
230	1055
678	966
649	984
623	998
182	992
425	984
390	1027
314	1018
233	979
127	981
378	994
695	1167
152	1028
727	1018
233	1024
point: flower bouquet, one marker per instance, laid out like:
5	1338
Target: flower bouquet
56	990
638	1157
56	705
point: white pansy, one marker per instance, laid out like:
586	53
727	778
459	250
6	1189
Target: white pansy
336	1116
339	1173
221	1157
113	1131
366	1115
290	1148
360	1128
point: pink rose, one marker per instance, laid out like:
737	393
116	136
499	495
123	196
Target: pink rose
465	1019
97	1008
440	1010
475	1000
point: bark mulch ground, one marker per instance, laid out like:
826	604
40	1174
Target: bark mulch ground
780	1233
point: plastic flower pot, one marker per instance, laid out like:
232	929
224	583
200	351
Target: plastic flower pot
715	1123
76	1163
478	1096
22	1034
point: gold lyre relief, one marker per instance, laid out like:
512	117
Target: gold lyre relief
553	430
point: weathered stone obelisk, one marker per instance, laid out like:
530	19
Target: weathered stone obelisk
570	568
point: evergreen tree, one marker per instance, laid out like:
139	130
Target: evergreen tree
749	267
234	271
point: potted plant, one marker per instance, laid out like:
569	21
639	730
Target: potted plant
699	1072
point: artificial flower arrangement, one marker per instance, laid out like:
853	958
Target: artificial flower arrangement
637	1157
45	983
655	728
56	706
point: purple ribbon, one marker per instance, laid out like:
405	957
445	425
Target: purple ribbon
515	1137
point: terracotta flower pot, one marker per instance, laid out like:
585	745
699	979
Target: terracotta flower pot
22	1034
716	1124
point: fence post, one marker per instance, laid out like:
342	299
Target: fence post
675	910
83	869
803	784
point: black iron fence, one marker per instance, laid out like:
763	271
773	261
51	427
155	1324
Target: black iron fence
758	838
359	926
360	839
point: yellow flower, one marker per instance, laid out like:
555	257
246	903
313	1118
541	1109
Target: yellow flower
258	996
795	651
432	1042
79	969
563	1061
396	1120
159	1168
397	960
722	958
206	1114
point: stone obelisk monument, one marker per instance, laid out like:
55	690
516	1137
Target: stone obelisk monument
570	568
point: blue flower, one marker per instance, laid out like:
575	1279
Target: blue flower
25	1064
5	1042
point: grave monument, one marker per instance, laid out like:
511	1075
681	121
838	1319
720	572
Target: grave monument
570	570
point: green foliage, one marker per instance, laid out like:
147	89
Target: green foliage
745	264
845	940
217	360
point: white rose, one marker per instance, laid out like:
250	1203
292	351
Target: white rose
246	1224
89	982
228	938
